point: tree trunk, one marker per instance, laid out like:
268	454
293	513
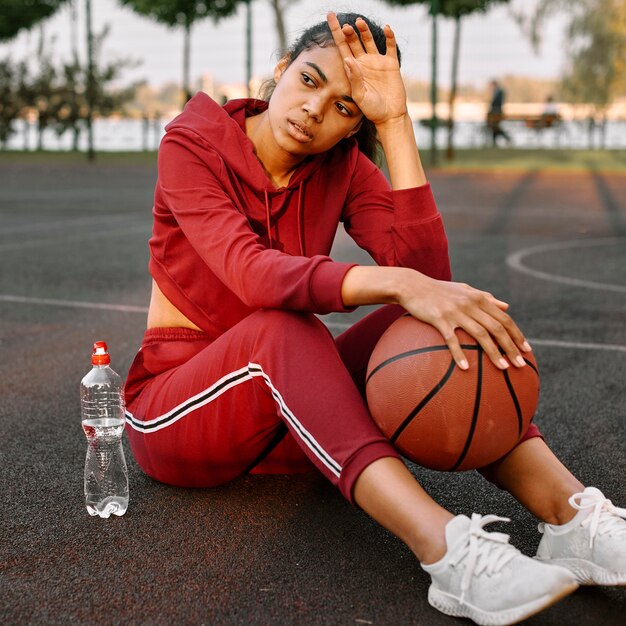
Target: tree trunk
280	25
433	86
248	47
603	132
26	129
453	86
90	83
40	129
186	59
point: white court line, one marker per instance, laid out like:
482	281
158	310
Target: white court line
554	343
538	342
61	224
515	261
47	241
123	308
70	194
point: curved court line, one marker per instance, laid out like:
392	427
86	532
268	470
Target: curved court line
125	308
514	261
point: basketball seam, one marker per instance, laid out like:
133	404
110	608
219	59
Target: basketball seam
477	396
431	394
518	408
405	355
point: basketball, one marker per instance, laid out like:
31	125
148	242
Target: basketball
439	415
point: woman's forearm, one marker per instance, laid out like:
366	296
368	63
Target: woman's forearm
365	284
403	159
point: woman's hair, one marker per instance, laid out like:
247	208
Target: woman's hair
320	35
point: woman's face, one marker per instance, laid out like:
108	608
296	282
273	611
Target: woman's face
311	109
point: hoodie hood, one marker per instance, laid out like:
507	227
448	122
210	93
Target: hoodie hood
221	129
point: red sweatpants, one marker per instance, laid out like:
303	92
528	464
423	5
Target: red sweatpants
271	395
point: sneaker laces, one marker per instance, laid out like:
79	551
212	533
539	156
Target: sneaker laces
605	517
485	551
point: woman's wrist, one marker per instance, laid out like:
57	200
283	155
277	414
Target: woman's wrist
373	284
393	127
403	160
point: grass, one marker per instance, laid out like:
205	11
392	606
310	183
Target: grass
486	160
45	157
541	160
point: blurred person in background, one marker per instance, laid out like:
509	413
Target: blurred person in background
495	114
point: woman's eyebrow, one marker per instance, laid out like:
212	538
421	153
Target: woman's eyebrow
324	78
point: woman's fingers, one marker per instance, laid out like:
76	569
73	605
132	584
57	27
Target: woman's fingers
507	334
352	44
481	315
338	35
356	47
489	343
392	46
366	37
454	345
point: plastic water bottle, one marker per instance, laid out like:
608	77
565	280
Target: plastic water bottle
103	417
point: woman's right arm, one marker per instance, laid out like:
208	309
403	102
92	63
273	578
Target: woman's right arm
443	304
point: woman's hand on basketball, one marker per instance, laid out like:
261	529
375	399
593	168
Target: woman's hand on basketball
448	305
377	86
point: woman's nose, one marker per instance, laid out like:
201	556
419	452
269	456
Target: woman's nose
314	107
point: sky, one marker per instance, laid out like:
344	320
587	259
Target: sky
491	45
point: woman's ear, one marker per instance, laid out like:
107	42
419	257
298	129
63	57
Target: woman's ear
281	66
355	130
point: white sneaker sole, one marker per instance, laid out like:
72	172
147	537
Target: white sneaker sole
451	605
588	573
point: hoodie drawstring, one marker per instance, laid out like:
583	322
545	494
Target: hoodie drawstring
267	218
299	216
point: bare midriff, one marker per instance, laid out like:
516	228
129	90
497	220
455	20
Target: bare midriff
163	314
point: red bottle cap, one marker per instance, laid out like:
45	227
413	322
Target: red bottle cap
100	354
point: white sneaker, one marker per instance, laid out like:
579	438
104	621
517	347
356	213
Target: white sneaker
592	545
485	578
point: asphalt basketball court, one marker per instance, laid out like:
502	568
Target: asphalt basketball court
277	549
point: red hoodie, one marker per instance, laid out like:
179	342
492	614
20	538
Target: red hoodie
226	242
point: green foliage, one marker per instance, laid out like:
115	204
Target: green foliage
10	101
453	8
16	15
57	93
596	47
182	12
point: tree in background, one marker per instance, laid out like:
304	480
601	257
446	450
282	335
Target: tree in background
279	8
456	10
183	14
17	15
10	106
596	50
71	113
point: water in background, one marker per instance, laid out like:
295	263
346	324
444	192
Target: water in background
121	135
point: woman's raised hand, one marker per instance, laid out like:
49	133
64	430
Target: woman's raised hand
377	86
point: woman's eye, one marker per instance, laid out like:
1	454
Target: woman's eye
307	80
342	109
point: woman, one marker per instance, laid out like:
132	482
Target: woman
236	374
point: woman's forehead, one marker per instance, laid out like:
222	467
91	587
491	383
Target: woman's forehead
326	64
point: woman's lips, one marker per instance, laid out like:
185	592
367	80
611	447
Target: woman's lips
299	131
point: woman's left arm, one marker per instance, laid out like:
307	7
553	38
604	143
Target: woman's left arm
378	90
